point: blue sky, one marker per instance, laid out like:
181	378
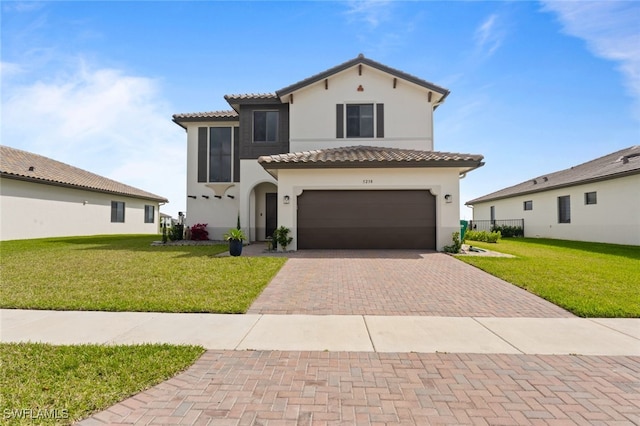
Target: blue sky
535	86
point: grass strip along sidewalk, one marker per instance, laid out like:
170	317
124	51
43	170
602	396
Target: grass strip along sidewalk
587	279
45	384
126	273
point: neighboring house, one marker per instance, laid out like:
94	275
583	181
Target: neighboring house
596	201
344	158
41	197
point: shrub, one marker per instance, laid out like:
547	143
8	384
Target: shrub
508	231
281	236
487	237
199	232
457	244
176	232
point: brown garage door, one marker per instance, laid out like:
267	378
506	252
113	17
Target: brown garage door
366	220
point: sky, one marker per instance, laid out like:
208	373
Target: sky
536	86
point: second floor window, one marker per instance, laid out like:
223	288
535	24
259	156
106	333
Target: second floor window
220	154
360	121
528	205
265	126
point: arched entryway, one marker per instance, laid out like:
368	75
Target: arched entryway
264	210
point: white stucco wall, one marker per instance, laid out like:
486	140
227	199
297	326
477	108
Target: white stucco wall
614	219
219	214
439	181
408	116
33	210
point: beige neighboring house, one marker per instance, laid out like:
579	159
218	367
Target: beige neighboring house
41	197
345	159
595	201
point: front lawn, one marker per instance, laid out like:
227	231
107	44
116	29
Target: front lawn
588	279
126	273
45	384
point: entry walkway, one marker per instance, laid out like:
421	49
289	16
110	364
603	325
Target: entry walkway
356	333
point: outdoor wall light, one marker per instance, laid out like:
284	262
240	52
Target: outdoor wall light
192	196
231	196
286	199
448	198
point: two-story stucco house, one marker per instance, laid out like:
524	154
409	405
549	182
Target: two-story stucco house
344	158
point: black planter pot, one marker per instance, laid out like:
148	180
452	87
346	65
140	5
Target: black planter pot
235	247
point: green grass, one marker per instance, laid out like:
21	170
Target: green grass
588	279
39	382
126	273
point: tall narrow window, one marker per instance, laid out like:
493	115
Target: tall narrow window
265	126
117	211
220	154
149	214
564	209
360	121
591	198
492	214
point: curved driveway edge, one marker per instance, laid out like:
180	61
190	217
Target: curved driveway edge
346	388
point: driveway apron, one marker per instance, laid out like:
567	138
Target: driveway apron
394	282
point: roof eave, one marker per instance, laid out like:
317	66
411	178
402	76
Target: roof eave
366	61
552	187
464	164
84	188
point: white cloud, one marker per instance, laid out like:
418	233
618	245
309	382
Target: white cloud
104	121
489	35
611	30
373	12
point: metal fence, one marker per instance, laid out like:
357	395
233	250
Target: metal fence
508	227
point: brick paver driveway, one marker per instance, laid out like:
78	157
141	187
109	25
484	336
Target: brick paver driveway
346	388
394	282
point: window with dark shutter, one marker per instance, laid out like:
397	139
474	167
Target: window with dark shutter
339	121
220	154
360	121
202	154
379	120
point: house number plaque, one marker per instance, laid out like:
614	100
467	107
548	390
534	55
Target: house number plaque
366	181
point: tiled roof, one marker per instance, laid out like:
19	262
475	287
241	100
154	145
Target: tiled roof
193	116
618	164
250	96
368	156
18	164
360	59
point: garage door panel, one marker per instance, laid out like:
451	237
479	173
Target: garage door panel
366	219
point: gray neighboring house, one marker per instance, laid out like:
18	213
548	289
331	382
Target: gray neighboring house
595	201
41	197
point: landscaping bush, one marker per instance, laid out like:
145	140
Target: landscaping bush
487	237
176	232
507	231
199	232
457	244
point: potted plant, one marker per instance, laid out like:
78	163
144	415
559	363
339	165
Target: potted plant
235	237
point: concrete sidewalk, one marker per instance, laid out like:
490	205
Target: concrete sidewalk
355	333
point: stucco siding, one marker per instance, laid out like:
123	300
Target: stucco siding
438	181
34	210
615	218
408	115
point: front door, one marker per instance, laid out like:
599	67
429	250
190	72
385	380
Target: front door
271	215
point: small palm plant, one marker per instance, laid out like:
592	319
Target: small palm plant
235	237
